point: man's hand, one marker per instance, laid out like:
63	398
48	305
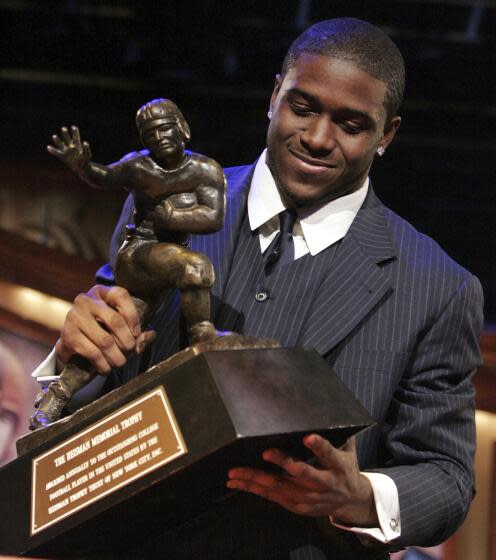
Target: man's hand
333	486
69	149
102	326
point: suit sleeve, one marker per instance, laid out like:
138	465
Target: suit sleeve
105	274
430	430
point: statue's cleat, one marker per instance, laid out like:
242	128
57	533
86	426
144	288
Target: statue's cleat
39	420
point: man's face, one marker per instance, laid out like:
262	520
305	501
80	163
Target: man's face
328	119
163	139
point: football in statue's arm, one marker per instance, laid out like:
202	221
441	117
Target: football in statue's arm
183	200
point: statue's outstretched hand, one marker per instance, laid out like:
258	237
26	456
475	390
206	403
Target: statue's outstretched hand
68	148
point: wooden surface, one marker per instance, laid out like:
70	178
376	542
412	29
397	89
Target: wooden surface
27	329
48	270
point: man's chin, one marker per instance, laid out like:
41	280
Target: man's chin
292	200
303	196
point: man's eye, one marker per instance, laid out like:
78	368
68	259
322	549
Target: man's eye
301	110
351	127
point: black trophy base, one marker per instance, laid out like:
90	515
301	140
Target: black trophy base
229	407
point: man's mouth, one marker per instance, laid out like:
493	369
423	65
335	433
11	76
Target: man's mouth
311	165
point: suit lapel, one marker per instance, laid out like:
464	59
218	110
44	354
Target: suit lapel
219	247
355	283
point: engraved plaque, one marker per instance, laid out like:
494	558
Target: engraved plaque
125	445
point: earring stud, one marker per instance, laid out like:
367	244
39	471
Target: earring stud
269	114
381	151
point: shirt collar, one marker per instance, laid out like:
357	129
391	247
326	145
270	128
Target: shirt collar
322	226
264	201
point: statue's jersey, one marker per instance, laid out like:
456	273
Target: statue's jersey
150	184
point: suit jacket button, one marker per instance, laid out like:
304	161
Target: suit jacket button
261	296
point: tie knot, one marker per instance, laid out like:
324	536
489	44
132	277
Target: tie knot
287	219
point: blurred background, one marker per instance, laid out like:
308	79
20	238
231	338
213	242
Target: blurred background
93	63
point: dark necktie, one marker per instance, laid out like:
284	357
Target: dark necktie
281	248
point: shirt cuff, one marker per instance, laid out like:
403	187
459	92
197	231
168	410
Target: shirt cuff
45	372
387	505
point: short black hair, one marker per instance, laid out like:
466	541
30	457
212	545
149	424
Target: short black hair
361	43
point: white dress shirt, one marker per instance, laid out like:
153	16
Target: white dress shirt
315	228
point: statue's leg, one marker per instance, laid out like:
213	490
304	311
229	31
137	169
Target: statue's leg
151	267
195	306
136	270
79	372
195	283
50	403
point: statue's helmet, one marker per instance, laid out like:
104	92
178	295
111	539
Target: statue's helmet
160	111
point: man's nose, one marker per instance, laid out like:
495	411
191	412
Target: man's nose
319	136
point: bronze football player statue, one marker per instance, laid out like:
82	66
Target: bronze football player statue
176	192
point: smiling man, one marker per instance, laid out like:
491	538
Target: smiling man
394	316
328	119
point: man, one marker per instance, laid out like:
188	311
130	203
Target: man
394	316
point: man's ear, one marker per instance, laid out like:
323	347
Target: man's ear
275	91
390	131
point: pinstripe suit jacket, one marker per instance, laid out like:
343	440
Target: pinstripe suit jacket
399	321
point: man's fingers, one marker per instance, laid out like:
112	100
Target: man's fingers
261	483
143	340
291	465
254	488
86	337
279	489
326	454
97	328
320	490
119	299
103	326
114	309
86	349
115	329
349	445
261	478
